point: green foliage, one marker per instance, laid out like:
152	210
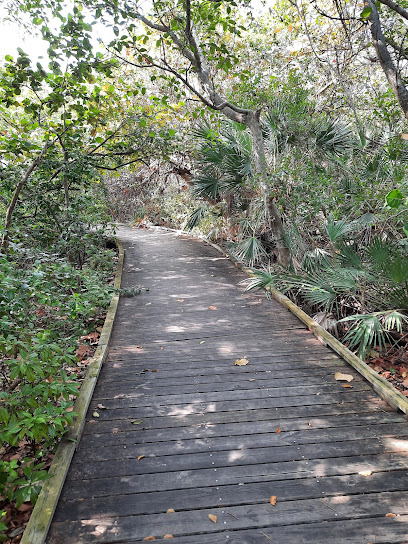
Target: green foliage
21	482
348	277
372	329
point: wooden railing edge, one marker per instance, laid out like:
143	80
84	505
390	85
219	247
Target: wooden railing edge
41	517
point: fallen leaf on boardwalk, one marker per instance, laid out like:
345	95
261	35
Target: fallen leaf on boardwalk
148	304
149	538
170	511
95	414
365	473
101	407
273	500
137	422
241	362
212	307
251	380
139	347
154	370
346	385
343	377
213	518
180	300
203	342
390	515
405	382
309	424
278	430
167	536
140	457
161	347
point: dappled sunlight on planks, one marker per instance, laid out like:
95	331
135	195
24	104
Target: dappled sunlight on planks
396	444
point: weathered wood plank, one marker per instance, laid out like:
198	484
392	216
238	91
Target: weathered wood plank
377	530
237	517
309	415
363	397
232	495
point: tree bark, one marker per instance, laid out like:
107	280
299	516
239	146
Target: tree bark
390	70
16	194
261	168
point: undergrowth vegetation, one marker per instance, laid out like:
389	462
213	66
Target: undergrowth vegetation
49	298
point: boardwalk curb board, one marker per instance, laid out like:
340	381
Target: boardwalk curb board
380	385
40	520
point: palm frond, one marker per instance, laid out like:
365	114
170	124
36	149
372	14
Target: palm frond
334	138
249	250
368	330
208	185
336	230
261	279
196	217
316	259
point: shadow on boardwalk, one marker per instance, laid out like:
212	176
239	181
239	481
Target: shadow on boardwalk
181	427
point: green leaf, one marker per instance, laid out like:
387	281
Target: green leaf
172	132
394	198
405	229
365	14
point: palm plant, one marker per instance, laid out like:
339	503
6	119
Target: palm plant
360	285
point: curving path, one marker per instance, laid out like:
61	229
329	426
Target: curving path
182	428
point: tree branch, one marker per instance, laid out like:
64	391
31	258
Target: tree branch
392	74
395	7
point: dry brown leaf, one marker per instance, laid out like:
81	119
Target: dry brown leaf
213	518
140	457
167	536
101	407
346	385
241	362
273	500
212	307
251	380
404	136
154	370
26	507
365	472
149	538
278	430
170	511
390	515
405	382
180	300
339	376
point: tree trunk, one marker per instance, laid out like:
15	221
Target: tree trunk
16	194
390	70
261	169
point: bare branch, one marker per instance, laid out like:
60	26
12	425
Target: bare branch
395	7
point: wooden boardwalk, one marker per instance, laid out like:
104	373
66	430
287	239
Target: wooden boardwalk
181	427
